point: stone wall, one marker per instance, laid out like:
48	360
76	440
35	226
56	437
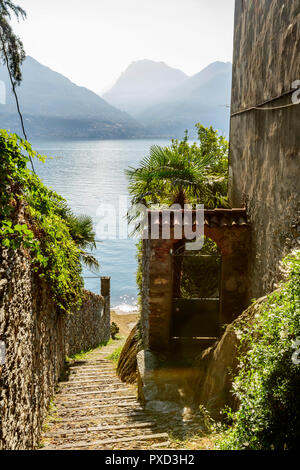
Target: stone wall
32	332
265	144
36	338
88	327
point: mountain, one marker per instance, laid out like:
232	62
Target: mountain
156	101
143	84
166	101
204	97
54	106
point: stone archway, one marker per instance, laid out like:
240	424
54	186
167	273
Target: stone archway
229	229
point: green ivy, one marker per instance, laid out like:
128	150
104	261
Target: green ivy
45	233
268	382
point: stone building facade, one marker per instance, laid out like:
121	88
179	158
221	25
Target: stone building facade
265	142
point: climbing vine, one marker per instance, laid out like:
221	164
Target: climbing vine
44	231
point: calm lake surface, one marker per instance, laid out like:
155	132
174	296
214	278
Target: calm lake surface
90	174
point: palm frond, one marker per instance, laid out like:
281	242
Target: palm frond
81	229
89	261
7	7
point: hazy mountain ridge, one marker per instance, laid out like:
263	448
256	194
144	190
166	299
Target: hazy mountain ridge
164	102
143	84
53	105
204	97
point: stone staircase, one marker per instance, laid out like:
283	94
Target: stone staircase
95	410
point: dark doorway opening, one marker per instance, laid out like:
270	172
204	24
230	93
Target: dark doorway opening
195	321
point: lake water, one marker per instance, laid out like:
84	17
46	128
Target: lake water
89	174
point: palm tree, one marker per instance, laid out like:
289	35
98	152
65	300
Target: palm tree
183	173
11	47
180	174
82	232
12	53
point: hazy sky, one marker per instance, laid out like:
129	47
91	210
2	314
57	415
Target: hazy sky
93	41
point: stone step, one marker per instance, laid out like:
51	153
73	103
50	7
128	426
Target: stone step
107	417
87	365
95	379
74	396
93	359
123	420
97	407
81	377
94	371
92	366
104	400
93	386
83	383
97	373
96	410
101	356
104	442
99	428
91	376
73	437
86	383
162	445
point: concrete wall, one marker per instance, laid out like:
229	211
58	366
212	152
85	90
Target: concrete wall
265	145
37	338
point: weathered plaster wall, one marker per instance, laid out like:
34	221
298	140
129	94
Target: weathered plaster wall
265	145
37	338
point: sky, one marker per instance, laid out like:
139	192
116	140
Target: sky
93	41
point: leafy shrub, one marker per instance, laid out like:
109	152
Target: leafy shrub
268	382
201	275
114	330
45	233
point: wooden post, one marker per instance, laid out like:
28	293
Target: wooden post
105	292
105	286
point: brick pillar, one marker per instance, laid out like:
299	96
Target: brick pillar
233	243
157	294
105	287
